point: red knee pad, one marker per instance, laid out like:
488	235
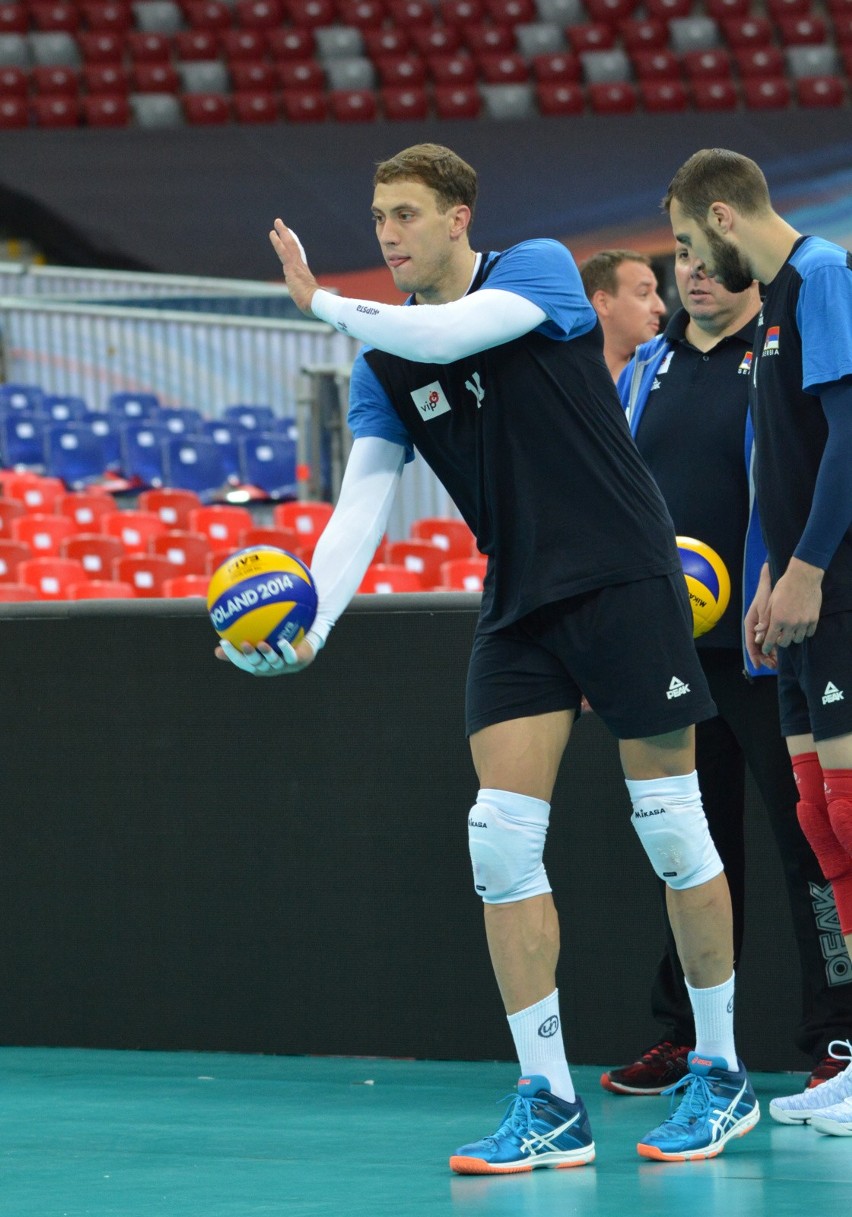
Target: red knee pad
833	859
838	795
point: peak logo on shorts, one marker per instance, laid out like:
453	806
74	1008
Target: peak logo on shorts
676	688
431	401
832	693
772	341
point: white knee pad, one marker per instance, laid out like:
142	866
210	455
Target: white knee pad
672	826
506	833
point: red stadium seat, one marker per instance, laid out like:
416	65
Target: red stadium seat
464	574
386	577
192	45
457	101
655	65
721	9
759	61
54	17
251	106
84	507
43	533
712	64
106	15
207	14
170	504
182	586
187	551
452	69
146	573
14	82
353	105
511	12
663	96
489	39
802	30
666	9
452	536
814	91
259	14
595	36
461	12
788	8
148	48
363	14
101	589
304	105
301	74
55	81
11	553
309	14
644	35
557	97
280	538
290	43
206	109
502	69
242	46
747	31
401	71
106	110
614	98
766	92
222	524
100	46
719	94
19	593
612	11
51	577
560	65
112	79
254	77
411	13
10	509
386	41
406	102
14	19
133	528
307	520
154	78
421	557
436	39
36	493
94	551
56	111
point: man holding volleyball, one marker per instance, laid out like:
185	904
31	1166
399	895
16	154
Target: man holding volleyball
686	396
800	621
493	370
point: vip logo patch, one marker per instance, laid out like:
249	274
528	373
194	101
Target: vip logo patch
832	693
430	401
772	340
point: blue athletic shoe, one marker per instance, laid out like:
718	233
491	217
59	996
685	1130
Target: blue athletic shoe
538	1130
717	1104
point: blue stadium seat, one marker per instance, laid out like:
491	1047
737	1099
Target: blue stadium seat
21	397
181	421
268	462
195	462
74	452
225	435
22	439
256	417
142	452
134	405
63	407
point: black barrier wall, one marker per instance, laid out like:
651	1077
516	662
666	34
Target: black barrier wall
194	859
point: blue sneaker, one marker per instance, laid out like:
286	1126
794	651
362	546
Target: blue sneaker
538	1130
717	1104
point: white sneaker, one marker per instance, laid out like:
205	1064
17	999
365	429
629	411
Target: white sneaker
800	1108
836	1120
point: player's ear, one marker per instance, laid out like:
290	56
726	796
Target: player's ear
720	217
459	220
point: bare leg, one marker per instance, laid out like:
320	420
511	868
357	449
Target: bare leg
523	756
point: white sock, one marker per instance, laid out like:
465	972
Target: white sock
713	1010
537	1032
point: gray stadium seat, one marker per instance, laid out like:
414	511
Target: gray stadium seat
14	51
804	61
605	67
156	110
508	101
204	76
54	49
561	12
693	34
334	41
158	16
351	72
540	38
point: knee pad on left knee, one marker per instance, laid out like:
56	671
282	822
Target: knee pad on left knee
840	819
506	834
670	822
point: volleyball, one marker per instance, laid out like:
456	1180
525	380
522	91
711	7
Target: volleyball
707	581
262	594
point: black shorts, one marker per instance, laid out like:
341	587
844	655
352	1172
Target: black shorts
815	681
628	648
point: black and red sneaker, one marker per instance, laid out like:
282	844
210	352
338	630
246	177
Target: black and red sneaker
657	1068
826	1069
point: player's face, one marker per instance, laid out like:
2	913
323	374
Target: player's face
720	257
705	299
636	309
417	240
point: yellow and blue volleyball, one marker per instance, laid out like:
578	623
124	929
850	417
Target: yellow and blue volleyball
262	594
707	581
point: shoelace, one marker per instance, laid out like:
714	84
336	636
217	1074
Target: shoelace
665	1051
696	1099
517	1118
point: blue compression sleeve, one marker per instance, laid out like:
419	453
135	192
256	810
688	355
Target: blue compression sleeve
831	509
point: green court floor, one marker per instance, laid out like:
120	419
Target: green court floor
133	1134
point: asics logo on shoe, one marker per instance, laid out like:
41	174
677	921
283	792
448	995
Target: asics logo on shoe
699	1060
832	693
726	1118
549	1027
536	1143
676	688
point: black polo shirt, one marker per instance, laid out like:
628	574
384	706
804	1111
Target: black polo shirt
692	435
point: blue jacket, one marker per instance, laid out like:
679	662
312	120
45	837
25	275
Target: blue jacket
634	386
